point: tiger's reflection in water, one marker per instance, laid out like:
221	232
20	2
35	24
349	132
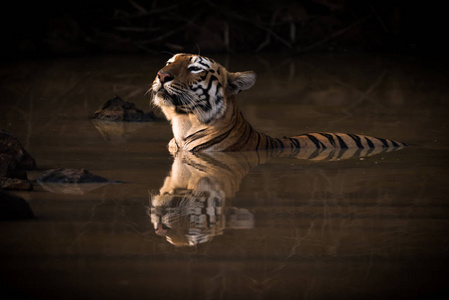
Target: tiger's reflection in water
194	203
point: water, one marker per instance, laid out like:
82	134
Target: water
288	228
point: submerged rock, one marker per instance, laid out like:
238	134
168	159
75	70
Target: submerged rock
15	184
117	110
14	159
13	207
14	162
9	169
71	181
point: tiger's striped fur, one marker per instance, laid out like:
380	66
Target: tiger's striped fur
197	95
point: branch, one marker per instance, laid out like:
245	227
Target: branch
245	19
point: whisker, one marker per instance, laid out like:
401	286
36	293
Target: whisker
149	91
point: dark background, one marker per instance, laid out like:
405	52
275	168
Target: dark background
42	29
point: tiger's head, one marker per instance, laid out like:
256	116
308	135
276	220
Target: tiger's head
197	86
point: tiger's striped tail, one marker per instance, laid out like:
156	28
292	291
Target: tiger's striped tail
326	140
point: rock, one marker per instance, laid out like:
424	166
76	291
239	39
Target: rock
15	184
70	176
71	181
14	159
13	207
117	110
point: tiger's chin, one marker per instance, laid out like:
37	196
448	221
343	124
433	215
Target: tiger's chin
172	108
162	98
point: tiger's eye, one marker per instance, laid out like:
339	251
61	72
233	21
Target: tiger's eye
194	69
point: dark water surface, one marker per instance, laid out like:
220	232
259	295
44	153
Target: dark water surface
218	226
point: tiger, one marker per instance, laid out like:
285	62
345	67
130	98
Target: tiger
197	95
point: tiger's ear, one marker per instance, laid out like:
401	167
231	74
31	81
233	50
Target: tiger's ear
240	81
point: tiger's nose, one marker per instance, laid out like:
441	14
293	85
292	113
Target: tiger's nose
164	76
